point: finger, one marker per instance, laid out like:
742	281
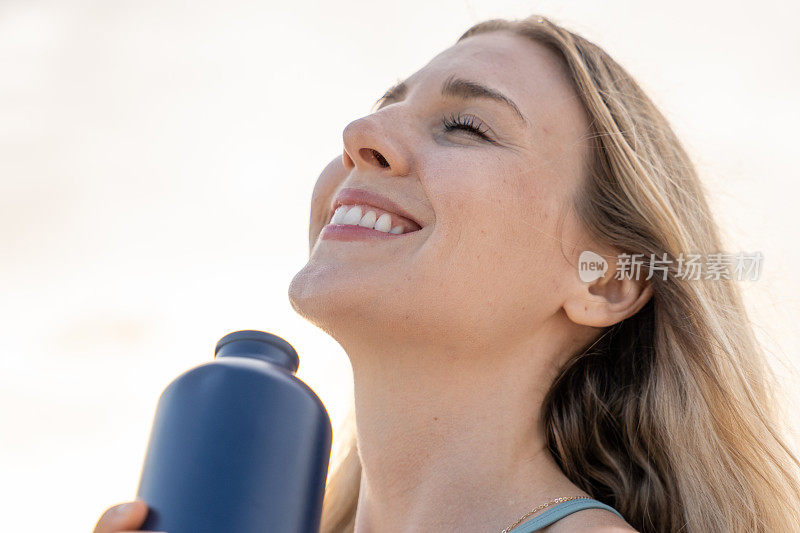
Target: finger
125	516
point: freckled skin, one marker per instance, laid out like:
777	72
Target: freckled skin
495	202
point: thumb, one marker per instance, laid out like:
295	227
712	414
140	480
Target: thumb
125	516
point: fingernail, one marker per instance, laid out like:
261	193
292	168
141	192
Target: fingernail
123	508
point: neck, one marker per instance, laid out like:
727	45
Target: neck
452	439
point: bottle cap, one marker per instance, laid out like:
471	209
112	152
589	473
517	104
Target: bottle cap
258	345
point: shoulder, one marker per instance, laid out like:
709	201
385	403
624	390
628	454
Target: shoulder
591	521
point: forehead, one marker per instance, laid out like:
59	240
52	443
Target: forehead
526	71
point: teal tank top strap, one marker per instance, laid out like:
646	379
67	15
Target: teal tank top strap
559	511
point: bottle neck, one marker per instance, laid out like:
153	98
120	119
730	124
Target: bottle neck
259	345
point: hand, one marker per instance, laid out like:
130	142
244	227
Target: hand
122	518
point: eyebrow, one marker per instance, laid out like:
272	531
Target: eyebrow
454	87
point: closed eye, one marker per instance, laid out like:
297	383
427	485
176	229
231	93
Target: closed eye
467	123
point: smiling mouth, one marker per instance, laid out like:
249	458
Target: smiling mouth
371	218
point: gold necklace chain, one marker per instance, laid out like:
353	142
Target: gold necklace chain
551	502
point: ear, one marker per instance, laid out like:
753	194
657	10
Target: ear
607	300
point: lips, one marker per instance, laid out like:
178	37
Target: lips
352	196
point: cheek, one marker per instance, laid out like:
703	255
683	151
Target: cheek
507	209
495	246
322	196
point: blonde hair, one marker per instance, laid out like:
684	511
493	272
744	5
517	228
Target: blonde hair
668	417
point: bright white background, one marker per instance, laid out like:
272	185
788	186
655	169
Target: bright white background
156	165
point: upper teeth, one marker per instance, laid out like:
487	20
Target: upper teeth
352	215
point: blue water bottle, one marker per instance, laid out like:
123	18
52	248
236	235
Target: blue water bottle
238	445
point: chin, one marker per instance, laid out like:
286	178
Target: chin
357	305
331	297
307	291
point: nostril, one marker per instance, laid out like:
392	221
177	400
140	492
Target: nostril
367	152
383	162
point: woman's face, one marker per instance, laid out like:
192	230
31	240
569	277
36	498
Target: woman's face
498	241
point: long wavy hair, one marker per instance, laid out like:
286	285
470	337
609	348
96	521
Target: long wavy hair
669	417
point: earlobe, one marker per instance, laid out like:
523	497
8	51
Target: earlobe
606	301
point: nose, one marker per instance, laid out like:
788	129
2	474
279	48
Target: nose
369	145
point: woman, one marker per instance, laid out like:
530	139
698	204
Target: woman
495	384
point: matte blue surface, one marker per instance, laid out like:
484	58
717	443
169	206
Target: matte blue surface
238	445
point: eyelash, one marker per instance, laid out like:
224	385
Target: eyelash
467	123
